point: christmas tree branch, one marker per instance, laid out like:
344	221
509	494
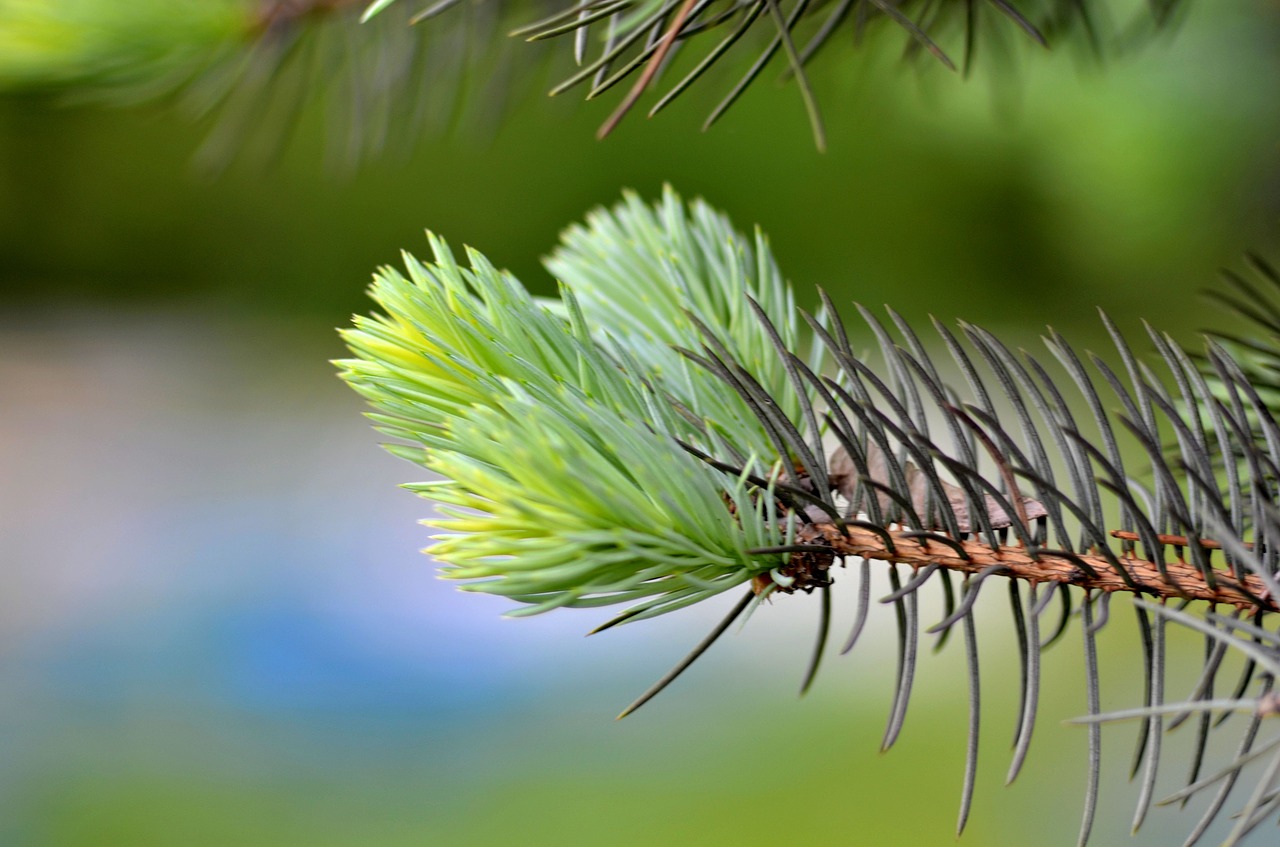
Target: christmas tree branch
667	431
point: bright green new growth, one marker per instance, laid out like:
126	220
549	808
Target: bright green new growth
645	276
556	428
564	517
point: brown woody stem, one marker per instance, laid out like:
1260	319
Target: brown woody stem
1185	581
648	73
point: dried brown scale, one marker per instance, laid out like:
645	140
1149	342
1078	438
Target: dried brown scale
806	570
1188	582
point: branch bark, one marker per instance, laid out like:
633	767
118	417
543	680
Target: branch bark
1184	581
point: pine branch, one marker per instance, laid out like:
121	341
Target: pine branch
666	432
641	37
253	67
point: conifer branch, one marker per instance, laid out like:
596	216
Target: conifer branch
666	432
256	66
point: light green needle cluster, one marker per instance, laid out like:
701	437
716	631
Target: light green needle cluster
646	275
553	429
557	502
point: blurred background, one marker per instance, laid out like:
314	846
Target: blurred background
215	628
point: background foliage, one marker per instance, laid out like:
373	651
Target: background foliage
217	629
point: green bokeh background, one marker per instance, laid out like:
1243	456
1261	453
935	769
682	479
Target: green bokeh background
219	631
